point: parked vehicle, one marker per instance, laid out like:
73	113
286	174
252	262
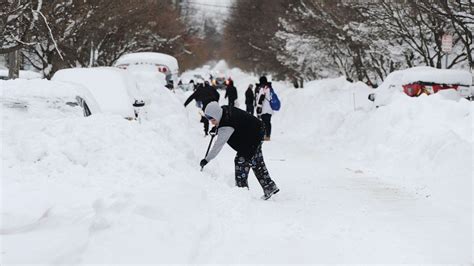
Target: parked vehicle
218	80
113	89
47	99
423	80
188	82
151	62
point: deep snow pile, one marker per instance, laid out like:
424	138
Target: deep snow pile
66	178
423	143
359	184
341	115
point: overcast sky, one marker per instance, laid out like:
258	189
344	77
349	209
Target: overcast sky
217	10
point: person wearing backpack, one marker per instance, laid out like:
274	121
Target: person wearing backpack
264	110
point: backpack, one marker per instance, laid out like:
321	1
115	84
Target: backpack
275	103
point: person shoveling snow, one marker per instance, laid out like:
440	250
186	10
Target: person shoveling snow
244	133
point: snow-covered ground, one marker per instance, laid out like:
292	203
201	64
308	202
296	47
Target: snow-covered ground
358	184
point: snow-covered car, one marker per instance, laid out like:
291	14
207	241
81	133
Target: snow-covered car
423	80
151	63
187	82
46	99
114	90
218	80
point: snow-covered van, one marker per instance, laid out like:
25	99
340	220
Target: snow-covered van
113	89
154	62
424	80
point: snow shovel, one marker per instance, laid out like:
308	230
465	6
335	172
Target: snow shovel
213	133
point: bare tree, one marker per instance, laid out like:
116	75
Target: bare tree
57	34
369	39
18	22
249	36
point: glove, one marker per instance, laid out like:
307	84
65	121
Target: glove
213	131
203	163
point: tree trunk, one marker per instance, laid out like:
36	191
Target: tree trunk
301	82
14	64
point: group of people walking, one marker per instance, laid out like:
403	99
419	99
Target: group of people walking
243	131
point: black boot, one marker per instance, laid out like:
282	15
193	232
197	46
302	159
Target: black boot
270	190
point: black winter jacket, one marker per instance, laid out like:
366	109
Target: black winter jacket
248	130
231	93
249	97
204	95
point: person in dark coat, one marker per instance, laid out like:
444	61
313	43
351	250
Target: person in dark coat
194	85
231	92
244	133
213	90
256	92
203	95
250	99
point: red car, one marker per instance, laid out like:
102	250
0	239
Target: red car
417	88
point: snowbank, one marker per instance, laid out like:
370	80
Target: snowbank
422	145
427	140
85	186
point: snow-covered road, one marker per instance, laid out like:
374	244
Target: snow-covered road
105	190
332	211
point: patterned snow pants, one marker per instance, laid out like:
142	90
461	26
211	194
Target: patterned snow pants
242	169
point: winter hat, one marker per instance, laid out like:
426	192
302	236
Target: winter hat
263	80
213	110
